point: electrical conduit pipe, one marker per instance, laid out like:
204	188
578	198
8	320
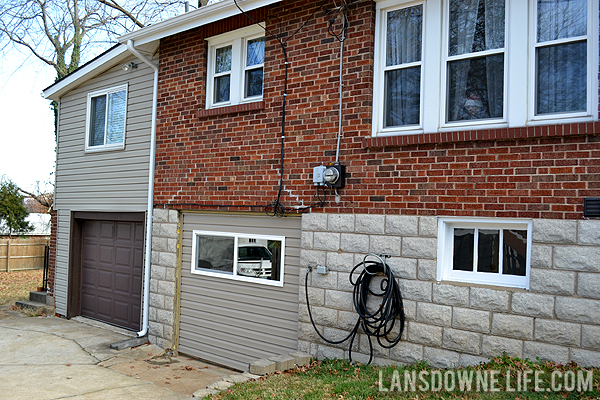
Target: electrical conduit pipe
148	254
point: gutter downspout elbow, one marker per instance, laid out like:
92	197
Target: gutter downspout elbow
149	215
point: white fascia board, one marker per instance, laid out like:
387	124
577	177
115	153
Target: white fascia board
193	19
87	71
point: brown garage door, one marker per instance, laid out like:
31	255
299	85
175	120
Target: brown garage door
111	271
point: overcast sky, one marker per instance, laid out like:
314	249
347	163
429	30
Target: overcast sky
27	124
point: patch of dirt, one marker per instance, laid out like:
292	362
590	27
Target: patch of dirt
182	375
16	285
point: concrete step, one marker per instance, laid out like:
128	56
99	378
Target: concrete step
35	307
38	297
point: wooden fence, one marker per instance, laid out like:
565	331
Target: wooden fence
22	254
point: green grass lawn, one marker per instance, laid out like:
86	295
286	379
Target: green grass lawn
338	379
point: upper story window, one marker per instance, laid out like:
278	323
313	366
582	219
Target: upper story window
235	67
473	64
105	119
490	252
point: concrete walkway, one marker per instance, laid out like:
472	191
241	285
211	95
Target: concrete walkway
54	358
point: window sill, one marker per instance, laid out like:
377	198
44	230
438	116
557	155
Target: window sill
96	149
527	132
255	105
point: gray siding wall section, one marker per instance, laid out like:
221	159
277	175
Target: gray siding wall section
62	260
231	322
558	319
114	180
110	181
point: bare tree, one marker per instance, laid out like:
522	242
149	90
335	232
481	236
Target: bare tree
58	32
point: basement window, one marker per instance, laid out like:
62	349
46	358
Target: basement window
105	119
484	251
235	67
242	257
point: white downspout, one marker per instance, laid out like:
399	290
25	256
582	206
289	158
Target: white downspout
148	257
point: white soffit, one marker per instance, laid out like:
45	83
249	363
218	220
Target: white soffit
193	19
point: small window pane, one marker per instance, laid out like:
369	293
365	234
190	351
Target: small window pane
463	249
254	82
561	19
404	32
476	88
259	258
115	130
514	252
256	52
476	25
223	60
402	97
222	89
562	78
98	120
488	250
215	253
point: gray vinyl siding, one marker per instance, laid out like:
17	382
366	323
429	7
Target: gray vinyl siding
63	223
114	180
101	181
230	322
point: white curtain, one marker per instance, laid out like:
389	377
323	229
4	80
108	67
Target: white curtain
403	85
463	20
494	39
561	68
476	25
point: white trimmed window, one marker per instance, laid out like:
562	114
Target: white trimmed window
105	119
484	251
235	67
467	64
242	257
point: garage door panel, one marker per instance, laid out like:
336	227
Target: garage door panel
111	279
233	322
124	231
123	256
122	283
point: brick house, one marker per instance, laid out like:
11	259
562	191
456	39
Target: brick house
471	155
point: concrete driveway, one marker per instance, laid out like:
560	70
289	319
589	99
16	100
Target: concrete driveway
54	358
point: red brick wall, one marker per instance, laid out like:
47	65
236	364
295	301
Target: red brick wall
230	159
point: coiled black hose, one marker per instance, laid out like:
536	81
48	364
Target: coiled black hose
379	323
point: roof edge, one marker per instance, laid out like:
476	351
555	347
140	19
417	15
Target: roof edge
193	19
92	67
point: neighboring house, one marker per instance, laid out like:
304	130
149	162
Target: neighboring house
471	146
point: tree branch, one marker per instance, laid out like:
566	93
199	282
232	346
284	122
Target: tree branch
45	199
114	5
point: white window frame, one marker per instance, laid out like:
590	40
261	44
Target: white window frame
519	73
238	40
445	254
88	118
592	65
234	276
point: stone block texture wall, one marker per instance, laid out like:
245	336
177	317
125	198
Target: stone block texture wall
453	324
163	280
